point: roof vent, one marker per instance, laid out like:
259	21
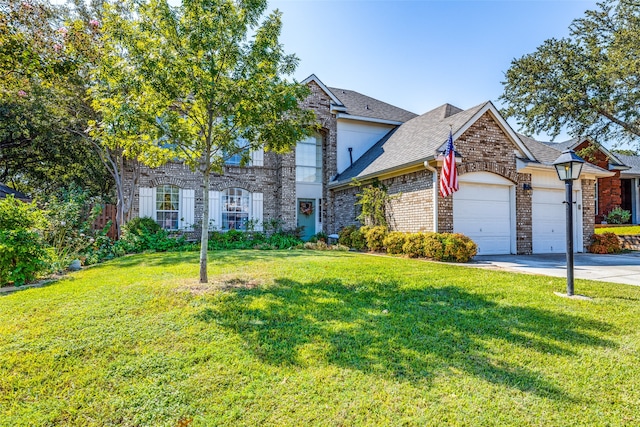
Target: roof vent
367	107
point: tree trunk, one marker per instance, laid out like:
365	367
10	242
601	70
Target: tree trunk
204	239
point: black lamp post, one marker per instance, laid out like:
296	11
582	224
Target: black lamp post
569	166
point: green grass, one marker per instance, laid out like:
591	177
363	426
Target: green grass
298	338
621	231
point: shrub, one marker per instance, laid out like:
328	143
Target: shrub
144	234
605	243
344	235
70	215
374	237
433	246
458	248
394	241
352	237
618	216
22	250
414	245
319	237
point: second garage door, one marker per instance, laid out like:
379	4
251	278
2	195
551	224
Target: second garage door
549	221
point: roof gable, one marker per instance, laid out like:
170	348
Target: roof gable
359	105
423	138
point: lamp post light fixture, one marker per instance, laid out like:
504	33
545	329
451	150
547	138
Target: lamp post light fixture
568	166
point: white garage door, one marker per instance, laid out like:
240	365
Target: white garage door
549	217
483	212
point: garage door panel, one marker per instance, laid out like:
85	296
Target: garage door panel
548	213
482	212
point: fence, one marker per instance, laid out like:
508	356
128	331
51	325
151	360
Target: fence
108	214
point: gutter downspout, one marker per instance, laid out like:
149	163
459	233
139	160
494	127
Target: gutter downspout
434	174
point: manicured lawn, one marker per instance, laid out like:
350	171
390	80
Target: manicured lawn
298	338
622	231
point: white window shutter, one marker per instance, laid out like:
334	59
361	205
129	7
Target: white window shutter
257	157
257	209
147	202
215	213
187	205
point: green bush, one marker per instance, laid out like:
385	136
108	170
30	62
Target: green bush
433	246
394	241
605	243
414	245
70	214
458	248
23	253
144	234
319	237
352	237
344	235
374	237
618	216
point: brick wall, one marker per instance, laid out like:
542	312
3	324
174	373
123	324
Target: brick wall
276	179
411	207
485	148
609	188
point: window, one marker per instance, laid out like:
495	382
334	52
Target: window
309	160
235	209
236	158
167	206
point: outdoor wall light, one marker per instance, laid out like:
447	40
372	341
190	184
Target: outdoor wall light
568	166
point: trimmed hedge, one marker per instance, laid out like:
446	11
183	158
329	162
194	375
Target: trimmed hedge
453	247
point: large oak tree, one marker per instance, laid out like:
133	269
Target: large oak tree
194	80
587	83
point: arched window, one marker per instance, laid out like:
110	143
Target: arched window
236	208
167	206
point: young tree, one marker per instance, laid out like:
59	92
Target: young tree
587	82
194	80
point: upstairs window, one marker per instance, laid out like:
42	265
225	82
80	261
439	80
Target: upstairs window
234	159
309	160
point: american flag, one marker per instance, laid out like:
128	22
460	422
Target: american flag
449	174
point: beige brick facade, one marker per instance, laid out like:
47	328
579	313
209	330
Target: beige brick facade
484	146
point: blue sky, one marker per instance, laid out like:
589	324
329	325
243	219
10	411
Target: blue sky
423	53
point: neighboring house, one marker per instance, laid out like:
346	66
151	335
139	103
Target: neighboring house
610	190
630	186
510	199
6	191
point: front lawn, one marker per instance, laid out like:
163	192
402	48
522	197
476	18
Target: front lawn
299	338
626	230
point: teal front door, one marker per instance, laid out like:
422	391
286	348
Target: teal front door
307	217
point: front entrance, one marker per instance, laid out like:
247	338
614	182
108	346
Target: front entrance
307	217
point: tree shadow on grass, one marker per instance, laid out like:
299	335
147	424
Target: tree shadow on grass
223	256
405	334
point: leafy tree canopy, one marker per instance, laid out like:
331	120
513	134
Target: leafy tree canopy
45	52
588	83
187	83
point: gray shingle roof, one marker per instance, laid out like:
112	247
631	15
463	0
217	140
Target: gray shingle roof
415	141
633	162
614	159
547	153
361	105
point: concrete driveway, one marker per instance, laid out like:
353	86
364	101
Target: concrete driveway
620	268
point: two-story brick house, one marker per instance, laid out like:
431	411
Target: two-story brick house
510	199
